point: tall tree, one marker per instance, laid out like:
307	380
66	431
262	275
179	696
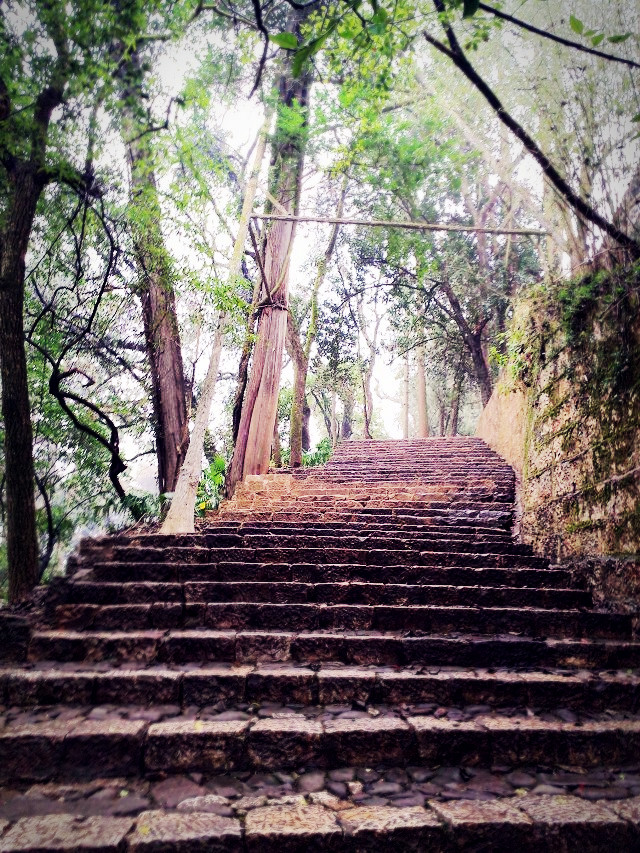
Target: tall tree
52	55
255	433
154	286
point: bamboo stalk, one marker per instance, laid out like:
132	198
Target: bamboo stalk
393	223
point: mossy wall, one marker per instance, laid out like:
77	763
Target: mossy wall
566	415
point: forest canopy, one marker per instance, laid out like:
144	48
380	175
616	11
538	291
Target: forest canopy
234	233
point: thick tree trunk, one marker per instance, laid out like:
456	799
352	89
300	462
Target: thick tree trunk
253	445
155	289
347	416
421	395
22	542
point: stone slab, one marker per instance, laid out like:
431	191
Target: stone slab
168	832
57	833
195	745
284	829
377	828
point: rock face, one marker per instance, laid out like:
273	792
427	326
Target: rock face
356	657
566	414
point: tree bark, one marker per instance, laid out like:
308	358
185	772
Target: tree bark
405	399
472	338
160	320
22	544
253	445
300	354
421	394
306	418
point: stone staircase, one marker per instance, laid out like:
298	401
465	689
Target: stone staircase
354	657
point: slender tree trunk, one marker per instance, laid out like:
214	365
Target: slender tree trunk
253	445
457	393
421	394
180	516
160	319
276	447
472	338
22	542
306	418
155	281
347	416
405	399
300	362
334	418
300	354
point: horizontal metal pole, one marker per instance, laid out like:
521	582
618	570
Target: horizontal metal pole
393	223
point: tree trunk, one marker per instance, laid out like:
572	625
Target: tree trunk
180	516
299	354
473	341
334	418
405	399
160	320
347	416
22	542
253	445
457	393
276	448
306	417
421	394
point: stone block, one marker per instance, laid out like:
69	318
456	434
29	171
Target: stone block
446	741
31	752
289	829
286	742
487	825
349	684
195	746
378	828
213	684
60	832
361	741
111	747
566	824
162	832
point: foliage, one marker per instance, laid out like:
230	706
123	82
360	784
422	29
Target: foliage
311	458
211	486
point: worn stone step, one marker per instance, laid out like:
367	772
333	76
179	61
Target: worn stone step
347	592
161	572
51	749
308	554
436	619
312	528
208	684
324	823
349	647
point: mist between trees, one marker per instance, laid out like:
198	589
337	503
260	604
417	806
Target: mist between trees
190	233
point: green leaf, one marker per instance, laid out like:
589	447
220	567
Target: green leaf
636	117
576	24
470	8
619	39
300	59
286	40
596	40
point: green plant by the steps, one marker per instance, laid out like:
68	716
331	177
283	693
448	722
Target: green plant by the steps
319	456
210	486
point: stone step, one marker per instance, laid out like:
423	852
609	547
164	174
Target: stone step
161	572
349	592
362	648
323	822
319	527
48	683
417	542
108	743
436	619
502	520
308	554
